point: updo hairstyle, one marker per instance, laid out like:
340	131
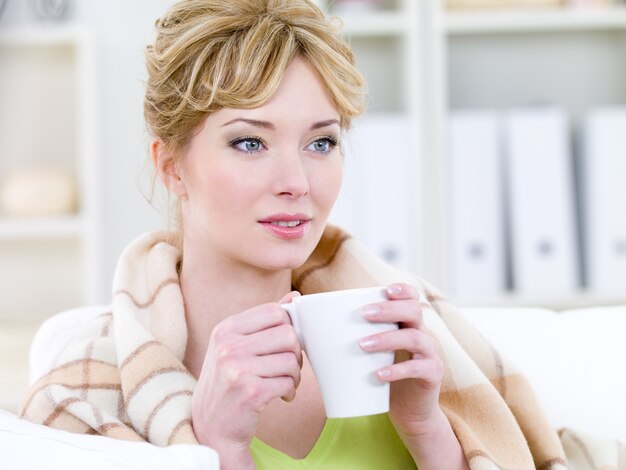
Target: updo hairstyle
214	54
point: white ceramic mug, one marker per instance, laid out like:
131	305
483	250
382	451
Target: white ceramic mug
329	326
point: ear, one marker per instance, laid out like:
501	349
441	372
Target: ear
165	165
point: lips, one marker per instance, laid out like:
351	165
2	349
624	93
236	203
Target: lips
287	226
285	219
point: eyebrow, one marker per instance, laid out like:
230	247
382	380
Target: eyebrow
269	125
253	122
327	123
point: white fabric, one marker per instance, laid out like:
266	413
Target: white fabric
574	359
28	446
54	334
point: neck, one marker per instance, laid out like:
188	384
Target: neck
214	290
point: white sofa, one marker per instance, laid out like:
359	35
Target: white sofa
574	360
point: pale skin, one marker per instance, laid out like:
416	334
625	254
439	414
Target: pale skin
243	168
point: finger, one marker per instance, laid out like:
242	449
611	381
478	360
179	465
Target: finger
289	297
407	312
277	365
281	372
407	339
257	319
428	371
283	387
402	290
281	338
261	393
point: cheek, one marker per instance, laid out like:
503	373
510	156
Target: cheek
208	191
216	183
331	185
228	188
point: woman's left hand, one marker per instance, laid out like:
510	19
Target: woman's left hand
417	374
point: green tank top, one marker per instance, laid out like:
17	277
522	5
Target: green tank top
368	442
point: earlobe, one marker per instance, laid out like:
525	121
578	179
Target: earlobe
165	165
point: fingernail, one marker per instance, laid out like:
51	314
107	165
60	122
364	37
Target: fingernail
370	311
384	373
368	343
394	289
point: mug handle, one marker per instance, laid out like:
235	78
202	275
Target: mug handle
292	311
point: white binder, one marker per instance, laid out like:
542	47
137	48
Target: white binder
376	200
542	210
476	203
604	201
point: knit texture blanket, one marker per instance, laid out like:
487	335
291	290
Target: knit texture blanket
124	377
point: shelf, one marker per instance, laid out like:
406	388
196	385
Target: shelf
529	21
42	35
12	228
371	24
580	299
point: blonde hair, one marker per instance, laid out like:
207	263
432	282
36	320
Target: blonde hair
214	54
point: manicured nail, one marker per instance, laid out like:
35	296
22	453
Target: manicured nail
368	343
394	289
370	311
384	373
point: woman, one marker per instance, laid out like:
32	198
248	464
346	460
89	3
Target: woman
256	180
247	101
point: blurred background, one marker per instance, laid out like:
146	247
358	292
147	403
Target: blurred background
491	160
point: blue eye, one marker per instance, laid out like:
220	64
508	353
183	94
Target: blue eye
323	145
247	144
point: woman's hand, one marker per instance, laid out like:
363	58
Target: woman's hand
415	380
417	374
252	358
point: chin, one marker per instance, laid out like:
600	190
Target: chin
285	259
290	263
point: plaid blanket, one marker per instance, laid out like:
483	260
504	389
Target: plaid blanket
124	377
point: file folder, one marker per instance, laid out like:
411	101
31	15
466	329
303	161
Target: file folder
376	201
604	199
476	203
542	211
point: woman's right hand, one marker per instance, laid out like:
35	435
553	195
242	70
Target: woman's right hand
252	358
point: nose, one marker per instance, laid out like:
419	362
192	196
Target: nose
291	177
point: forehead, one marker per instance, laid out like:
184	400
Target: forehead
299	98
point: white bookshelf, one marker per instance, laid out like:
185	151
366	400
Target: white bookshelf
375	23
571	57
423	60
43	35
550	20
386	42
581	299
533	21
41	228
48	119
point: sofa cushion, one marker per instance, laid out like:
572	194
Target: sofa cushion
24	445
574	360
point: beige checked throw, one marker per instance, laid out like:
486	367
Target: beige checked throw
124	378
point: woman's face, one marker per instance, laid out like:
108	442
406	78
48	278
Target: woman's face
258	184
